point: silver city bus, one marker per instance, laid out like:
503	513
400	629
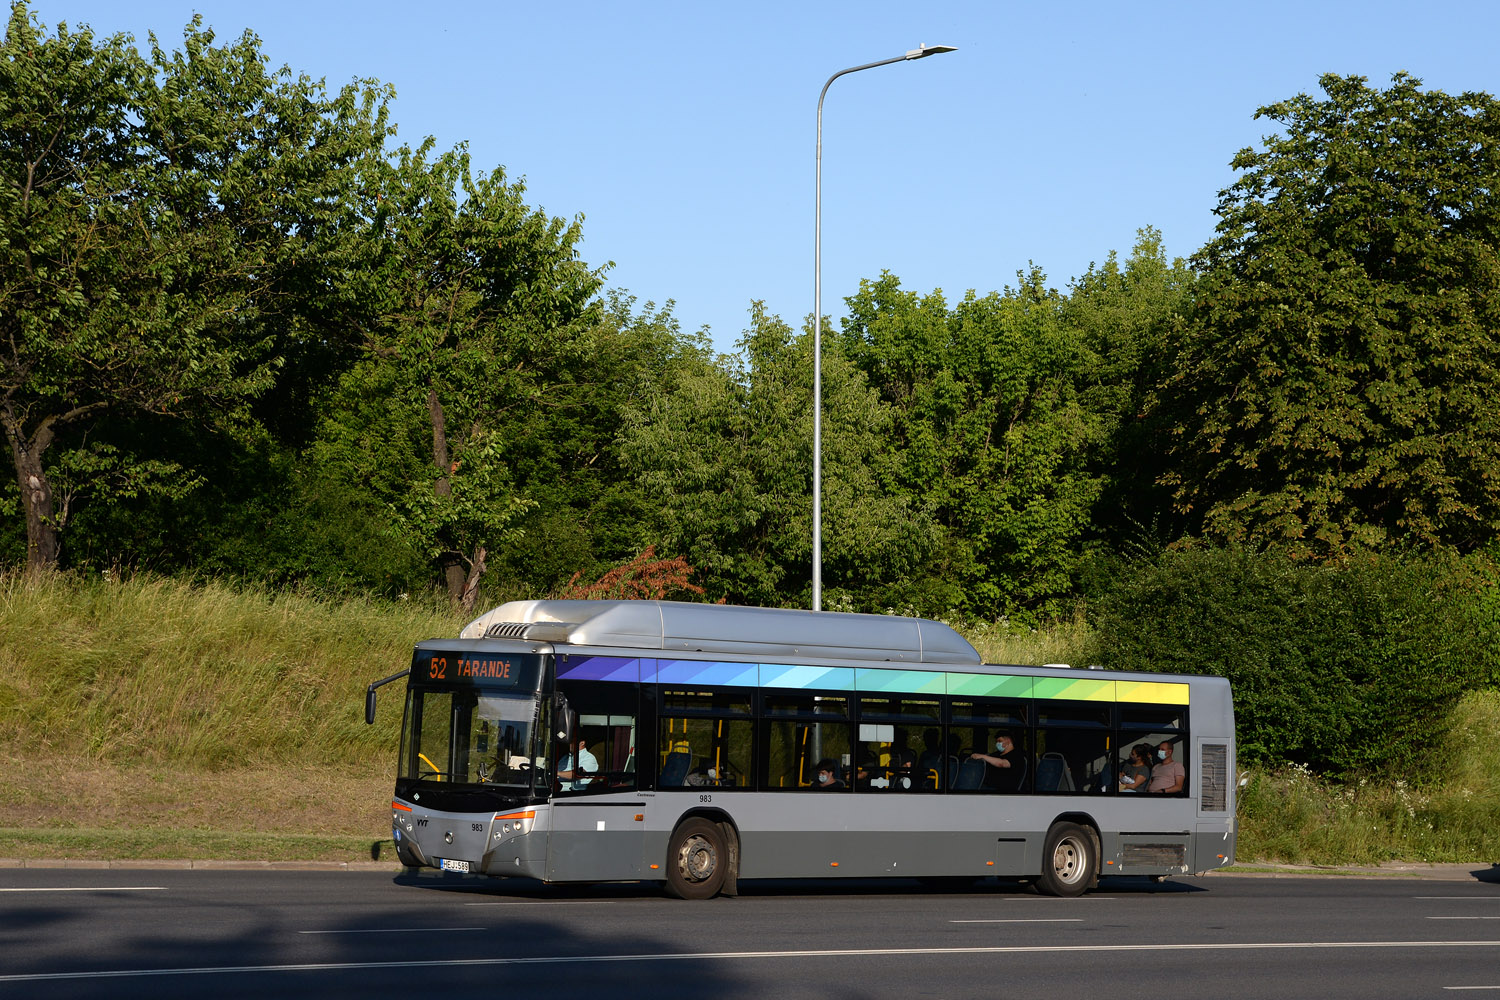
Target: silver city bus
695	744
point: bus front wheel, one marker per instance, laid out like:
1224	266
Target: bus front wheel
697	860
1069	861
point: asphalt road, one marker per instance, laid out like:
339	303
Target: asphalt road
224	934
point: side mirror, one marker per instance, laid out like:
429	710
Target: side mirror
562	718
370	694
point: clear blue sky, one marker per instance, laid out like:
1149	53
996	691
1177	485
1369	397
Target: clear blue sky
685	133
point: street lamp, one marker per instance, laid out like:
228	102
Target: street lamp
920	52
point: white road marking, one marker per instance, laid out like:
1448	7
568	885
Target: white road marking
733	956
1463	918
621	902
1471	987
1488	899
95	888
397	930
550	902
1024	920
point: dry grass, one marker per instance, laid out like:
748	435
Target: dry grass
155	718
59	807
67	793
154	671
1069	642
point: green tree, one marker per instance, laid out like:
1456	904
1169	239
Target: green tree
1127	317
564	455
159	221
469	303
989	431
1335	389
724	448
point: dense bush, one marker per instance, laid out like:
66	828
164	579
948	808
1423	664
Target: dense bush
1343	669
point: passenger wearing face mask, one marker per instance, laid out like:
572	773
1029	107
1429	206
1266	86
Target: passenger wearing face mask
1167	775
1136	775
826	777
1006	770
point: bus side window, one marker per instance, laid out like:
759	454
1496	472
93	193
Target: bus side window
705	740
607	720
802	730
1152	726
1072	745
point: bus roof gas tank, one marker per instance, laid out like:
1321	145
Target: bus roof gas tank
674	626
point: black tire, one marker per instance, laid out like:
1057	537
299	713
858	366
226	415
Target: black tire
1070	861
697	860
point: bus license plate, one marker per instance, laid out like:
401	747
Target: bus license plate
449	865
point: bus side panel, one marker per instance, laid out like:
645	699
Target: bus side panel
809	835
596	841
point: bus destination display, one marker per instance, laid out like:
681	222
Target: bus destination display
469	667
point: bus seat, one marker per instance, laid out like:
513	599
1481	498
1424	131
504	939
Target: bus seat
1052	774
674	772
970	775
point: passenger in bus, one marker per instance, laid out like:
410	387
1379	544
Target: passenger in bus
577	767
1006	769
827	777
1137	773
1167	775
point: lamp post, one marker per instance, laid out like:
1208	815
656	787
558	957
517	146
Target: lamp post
920	52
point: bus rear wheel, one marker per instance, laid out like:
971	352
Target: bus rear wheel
697	860
1069	861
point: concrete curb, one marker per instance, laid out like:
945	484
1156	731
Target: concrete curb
137	864
1477	871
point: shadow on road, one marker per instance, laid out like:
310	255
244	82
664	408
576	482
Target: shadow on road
520	888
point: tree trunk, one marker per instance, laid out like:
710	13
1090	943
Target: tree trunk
471	585
450	563
43	537
453	576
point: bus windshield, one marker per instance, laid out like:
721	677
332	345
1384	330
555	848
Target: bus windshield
474	737
473	719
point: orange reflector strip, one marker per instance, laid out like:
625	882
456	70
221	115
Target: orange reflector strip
654	867
639	817
1221	857
400	805
833	864
528	814
1109	862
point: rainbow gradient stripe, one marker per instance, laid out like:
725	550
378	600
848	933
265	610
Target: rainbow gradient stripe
869	680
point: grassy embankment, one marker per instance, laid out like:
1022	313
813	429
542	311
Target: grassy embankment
153	719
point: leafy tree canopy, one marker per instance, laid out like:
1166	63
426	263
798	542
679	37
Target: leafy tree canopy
470	301
724	450
162	223
989	431
1335	389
